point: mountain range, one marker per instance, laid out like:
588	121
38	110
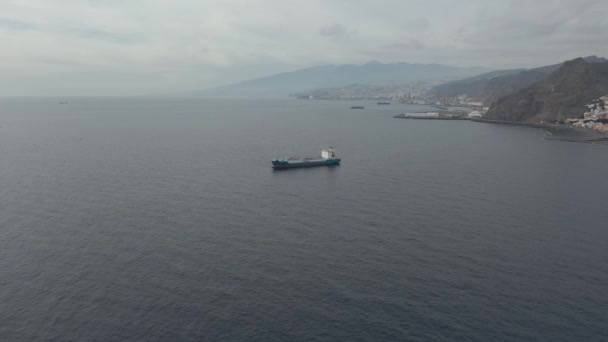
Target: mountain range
560	95
491	86
342	75
549	93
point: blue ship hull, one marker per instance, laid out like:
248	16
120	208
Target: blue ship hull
290	164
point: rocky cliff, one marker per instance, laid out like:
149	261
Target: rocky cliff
559	96
491	86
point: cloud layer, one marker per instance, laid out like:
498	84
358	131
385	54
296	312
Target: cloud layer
113	47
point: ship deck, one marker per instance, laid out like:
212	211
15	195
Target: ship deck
305	159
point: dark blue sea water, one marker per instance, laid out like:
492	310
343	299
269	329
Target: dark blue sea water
161	219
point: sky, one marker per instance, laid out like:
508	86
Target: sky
148	47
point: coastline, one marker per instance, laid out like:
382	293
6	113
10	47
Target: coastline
422	117
557	131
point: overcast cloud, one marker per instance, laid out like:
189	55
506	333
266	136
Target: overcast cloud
130	47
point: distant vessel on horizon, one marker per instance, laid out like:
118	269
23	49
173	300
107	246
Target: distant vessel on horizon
357	107
384	103
328	157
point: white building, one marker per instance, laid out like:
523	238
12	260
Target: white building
598	112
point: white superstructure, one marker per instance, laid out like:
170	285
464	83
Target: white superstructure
328	153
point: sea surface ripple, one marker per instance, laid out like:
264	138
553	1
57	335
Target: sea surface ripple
125	219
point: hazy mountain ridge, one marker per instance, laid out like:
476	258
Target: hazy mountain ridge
342	75
489	87
559	96
472	86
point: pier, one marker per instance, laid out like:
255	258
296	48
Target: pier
430	117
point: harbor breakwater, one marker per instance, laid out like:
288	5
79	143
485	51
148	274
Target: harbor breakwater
429	117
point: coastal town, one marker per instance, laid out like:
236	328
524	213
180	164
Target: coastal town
454	108
595	118
407	93
414	93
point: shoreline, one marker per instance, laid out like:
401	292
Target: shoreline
422	117
557	131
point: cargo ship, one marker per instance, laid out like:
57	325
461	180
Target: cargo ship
384	103
328	157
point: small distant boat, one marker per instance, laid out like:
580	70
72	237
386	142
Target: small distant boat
384	103
357	107
63	102
328	157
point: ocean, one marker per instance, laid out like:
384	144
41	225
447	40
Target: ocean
142	219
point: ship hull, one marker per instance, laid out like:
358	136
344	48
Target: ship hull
286	164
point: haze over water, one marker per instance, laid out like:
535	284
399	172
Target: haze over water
161	219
